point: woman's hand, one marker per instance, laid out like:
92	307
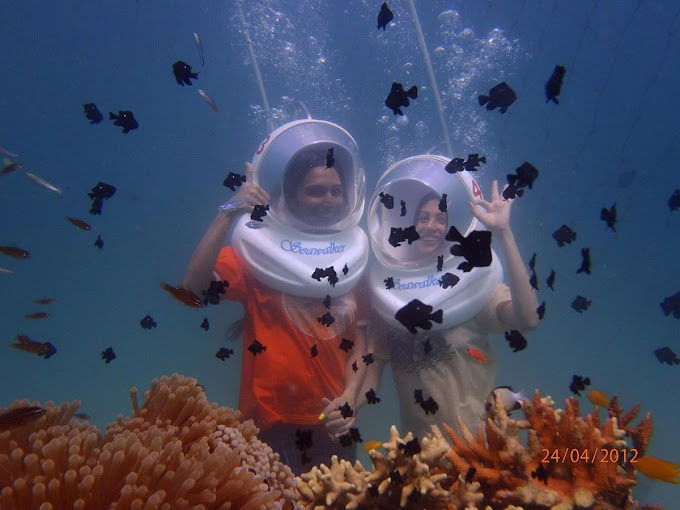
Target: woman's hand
335	424
497	215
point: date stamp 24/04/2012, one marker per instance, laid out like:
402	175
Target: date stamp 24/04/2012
575	455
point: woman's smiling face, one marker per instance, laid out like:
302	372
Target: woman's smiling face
431	225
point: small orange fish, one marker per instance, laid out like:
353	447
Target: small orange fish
371	445
11	167
20	416
79	223
14	252
598	398
37	315
476	354
45	301
658	469
25	344
183	295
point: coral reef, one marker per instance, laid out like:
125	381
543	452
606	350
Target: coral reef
177	451
566	464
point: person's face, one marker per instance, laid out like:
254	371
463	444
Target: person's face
320	199
431	226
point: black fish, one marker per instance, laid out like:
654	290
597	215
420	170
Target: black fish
256	348
355	368
371	397
224	353
532	262
418	396
403	208
329	273
448	280
215	289
398	235
108	355
455	165
609	217
666	355
524	177
411	447
205	324
102	190
533	280
389	282
125	119
516	340
330	158
470	474
183	73
499	96
398	97
440	262
580	304
147	322
578	384
314	351
476	248
430	406
303	439
550	281
396	478
327	301
345	410
564	235
427	346
99	243
345	439
540	474
553	86
442	204
417	314
234	180
96	207
671	305
259	212
92	113
345	269
346	345
384	16
541	310
473	162
585	262
368	358
674	201
326	319
387	200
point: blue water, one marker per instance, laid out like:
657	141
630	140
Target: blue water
611	139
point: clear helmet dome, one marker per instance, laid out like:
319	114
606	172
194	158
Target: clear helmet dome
420	181
290	165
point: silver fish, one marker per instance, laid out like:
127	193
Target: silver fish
7	153
42	182
207	99
200	48
5	270
228	206
255	224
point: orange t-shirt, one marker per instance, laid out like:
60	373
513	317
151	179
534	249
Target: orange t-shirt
284	384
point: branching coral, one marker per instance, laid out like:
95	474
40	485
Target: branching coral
566	464
178	451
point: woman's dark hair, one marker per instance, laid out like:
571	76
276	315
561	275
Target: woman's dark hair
427	198
301	163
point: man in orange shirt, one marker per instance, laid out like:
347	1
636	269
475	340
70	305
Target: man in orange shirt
293	366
